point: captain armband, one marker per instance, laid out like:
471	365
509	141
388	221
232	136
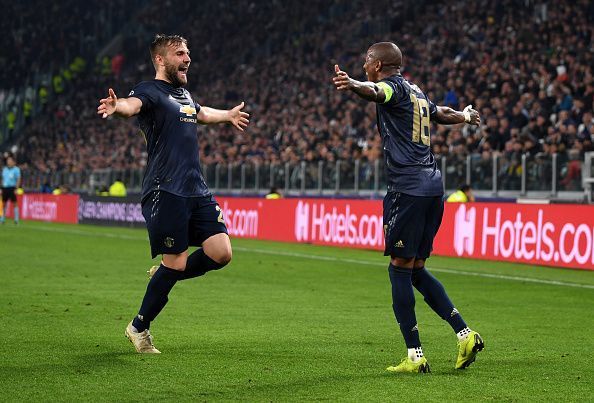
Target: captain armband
388	90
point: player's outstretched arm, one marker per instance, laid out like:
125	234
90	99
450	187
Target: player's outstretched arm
125	107
235	116
367	90
448	116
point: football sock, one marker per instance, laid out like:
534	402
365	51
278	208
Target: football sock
16	214
437	298
155	297
415	354
199	264
403	303
463	334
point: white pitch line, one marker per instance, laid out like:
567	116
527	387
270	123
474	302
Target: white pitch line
86	233
324	258
458	272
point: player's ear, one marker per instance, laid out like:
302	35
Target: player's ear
379	65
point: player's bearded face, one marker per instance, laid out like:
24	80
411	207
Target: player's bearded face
176	73
176	63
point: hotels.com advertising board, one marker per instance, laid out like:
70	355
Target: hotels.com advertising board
353	223
552	235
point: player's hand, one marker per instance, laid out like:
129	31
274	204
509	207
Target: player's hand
472	116
238	118
107	106
342	81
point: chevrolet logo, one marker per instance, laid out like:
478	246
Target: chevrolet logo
188	110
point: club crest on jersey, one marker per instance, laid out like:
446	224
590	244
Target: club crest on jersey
188	110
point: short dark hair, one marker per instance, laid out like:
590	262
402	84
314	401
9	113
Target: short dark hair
161	41
464	187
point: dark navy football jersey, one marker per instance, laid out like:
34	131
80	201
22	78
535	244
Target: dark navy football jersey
168	120
403	121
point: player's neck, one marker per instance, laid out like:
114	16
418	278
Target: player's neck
162	77
388	73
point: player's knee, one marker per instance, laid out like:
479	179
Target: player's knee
223	256
402	262
176	262
419	263
218	248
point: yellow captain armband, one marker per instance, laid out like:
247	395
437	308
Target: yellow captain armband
388	90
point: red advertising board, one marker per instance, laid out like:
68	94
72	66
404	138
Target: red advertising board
552	235
353	223
46	207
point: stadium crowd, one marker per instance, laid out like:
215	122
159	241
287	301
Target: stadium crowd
527	66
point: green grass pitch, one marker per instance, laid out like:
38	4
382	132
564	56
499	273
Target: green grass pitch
282	322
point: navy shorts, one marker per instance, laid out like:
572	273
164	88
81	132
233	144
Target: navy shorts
410	224
174	223
9	193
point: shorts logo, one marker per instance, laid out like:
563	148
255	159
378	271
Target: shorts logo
399	244
169	242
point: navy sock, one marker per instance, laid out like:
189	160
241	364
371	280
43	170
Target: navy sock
403	303
155	297
436	297
199	264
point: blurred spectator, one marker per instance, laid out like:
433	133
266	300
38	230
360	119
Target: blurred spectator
273	194
61	190
572	173
103	191
462	195
46	188
117	188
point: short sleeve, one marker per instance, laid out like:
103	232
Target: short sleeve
432	107
197	106
144	91
389	90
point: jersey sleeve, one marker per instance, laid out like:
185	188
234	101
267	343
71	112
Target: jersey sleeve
432	107
18	173
197	106
390	89
146	92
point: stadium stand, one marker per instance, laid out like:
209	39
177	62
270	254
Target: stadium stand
525	65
